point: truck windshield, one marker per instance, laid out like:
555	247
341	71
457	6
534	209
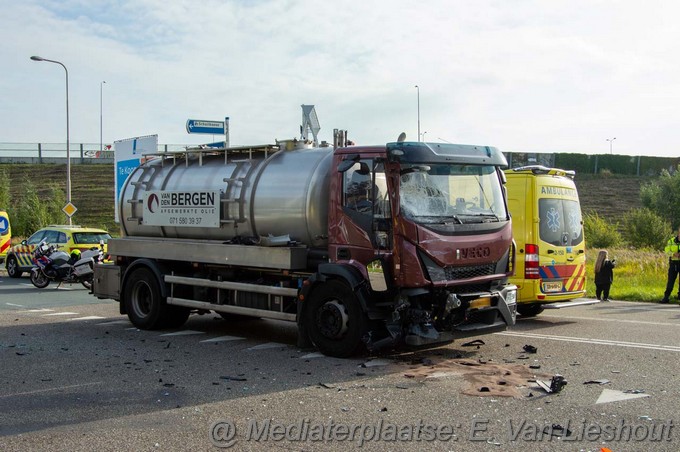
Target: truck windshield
443	193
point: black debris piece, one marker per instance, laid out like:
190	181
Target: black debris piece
473	343
535	366
484	389
529	348
602	381
233	378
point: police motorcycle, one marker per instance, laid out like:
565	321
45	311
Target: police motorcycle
51	264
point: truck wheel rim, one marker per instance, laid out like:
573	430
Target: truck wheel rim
142	300
332	320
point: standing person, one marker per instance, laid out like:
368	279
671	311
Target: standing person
672	250
604	274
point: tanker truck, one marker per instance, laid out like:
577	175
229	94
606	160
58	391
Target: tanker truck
364	247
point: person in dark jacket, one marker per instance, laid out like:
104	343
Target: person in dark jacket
604	275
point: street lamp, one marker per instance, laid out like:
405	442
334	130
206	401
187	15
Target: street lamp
611	140
68	151
424	135
101	116
417	88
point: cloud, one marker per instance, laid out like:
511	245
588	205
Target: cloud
524	76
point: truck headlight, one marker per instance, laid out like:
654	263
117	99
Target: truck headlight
511	297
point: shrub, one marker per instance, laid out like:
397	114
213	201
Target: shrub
645	229
35	211
599	232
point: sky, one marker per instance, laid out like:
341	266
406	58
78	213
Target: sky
521	75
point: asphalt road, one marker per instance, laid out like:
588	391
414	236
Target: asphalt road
76	375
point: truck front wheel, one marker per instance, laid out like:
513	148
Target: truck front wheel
335	321
146	307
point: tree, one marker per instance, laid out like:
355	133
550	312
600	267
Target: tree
662	196
645	229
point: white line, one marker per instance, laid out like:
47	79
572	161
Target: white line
641	322
268	345
224	338
51	389
60	313
313	355
183	333
17	305
115	322
89	317
38	310
668	348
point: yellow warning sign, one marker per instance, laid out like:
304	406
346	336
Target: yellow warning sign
69	209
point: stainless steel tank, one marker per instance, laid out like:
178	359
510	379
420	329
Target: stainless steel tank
283	193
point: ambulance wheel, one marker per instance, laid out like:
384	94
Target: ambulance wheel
146	307
335	321
13	267
530	310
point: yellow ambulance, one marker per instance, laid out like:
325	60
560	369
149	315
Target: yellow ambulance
5	235
548	231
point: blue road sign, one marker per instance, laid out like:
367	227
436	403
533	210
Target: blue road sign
201	126
4	225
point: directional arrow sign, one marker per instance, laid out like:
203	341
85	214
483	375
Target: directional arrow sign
201	126
4	225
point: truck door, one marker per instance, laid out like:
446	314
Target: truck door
365	202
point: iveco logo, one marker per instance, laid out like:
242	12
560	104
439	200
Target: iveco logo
473	253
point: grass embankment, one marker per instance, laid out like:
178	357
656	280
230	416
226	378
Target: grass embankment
640	275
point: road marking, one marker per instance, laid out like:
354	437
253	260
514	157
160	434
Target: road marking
60	388
60	313
224	338
183	333
38	310
668	348
89	317
610	395
115	322
17	305
641	322
313	355
56	288
268	345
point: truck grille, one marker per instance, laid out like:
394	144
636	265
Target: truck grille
471	271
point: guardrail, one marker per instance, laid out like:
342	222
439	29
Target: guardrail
84	153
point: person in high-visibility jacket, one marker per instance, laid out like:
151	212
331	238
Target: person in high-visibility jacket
672	250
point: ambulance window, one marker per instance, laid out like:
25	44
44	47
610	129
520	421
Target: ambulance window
560	222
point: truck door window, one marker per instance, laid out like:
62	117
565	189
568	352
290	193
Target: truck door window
365	189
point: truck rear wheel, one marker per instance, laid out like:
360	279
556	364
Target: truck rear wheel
529	310
335	321
146	307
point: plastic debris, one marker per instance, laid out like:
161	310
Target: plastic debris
602	381
557	382
529	348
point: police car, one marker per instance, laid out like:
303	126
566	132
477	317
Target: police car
66	238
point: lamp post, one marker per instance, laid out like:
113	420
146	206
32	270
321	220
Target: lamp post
68	151
101	116
418	89
611	140
424	135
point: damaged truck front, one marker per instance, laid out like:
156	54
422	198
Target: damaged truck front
362	246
